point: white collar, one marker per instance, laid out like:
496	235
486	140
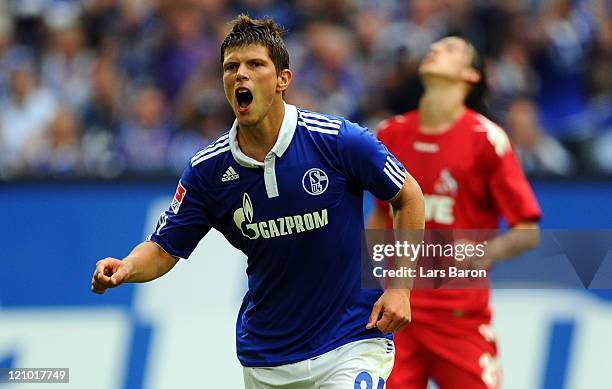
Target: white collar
285	135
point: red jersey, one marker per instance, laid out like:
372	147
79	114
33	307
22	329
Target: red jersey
470	177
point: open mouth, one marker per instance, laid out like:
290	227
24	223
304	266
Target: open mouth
244	98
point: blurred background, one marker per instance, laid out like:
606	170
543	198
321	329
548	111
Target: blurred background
109	88
102	103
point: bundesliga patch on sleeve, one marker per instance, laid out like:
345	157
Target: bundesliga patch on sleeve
178	197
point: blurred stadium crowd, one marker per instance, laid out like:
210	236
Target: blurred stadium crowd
107	88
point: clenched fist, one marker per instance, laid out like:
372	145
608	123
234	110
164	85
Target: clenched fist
109	273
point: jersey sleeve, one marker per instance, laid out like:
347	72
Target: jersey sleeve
181	227
508	186
368	162
378	203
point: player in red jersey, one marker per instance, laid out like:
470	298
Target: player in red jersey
470	178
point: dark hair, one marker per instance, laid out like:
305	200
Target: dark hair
246	31
477	98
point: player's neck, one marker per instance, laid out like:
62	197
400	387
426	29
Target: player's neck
257	141
440	108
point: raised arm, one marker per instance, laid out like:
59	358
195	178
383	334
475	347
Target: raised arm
146	262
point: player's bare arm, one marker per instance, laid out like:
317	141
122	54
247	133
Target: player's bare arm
520	238
146	262
391	312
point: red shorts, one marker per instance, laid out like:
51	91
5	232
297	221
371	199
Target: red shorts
456	355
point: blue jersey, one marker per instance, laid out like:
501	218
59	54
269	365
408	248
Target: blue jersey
298	216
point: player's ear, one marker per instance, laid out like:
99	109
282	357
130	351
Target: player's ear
283	80
471	75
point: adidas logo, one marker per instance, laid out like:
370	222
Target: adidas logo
229	175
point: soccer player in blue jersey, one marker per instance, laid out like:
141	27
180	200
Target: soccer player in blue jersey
285	186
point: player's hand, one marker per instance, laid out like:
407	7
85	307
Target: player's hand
474	262
482	263
391	313
109	273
